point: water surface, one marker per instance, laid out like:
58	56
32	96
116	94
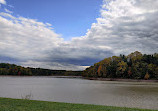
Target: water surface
77	90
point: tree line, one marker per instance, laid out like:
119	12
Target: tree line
12	69
134	66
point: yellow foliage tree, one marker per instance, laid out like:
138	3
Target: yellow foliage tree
122	67
147	76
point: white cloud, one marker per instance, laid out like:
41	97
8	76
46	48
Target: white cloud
3	2
26	38
32	43
124	26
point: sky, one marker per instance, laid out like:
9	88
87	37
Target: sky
74	34
70	18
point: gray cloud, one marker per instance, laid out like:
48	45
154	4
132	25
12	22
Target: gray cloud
124	26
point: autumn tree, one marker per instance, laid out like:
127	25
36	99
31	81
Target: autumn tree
121	69
135	65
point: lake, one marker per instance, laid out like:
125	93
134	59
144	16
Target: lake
78	90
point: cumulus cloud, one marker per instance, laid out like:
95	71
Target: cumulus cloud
3	2
123	26
31	43
26	38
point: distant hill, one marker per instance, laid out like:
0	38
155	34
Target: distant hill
12	69
134	66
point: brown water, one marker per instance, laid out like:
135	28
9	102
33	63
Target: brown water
77	90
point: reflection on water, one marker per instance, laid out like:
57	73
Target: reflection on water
77	90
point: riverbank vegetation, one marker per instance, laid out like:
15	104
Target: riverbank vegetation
12	69
31	105
134	66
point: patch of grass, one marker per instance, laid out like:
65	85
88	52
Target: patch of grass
7	104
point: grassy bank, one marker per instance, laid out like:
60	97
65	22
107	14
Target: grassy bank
31	105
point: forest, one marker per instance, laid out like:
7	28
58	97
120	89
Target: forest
12	69
133	66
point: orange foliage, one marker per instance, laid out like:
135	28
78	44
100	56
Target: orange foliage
99	69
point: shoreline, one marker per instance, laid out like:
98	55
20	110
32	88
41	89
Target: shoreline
119	79
56	76
90	78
